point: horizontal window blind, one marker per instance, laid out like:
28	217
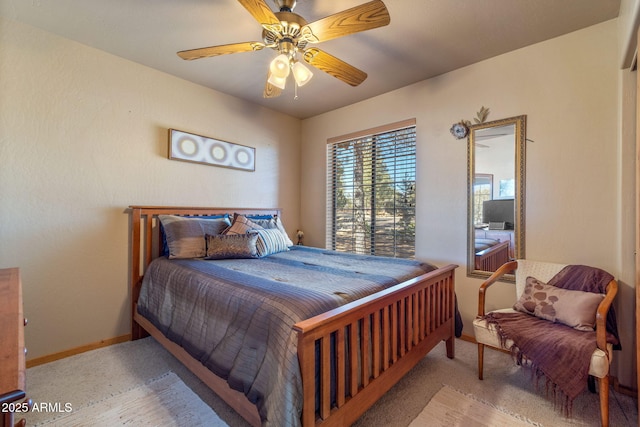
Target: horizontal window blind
371	191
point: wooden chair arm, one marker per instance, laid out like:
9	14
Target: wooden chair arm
601	315
504	269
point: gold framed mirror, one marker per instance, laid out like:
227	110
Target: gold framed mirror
495	188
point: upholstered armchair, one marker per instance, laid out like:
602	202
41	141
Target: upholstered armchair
530	278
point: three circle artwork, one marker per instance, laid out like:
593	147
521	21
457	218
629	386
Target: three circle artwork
201	149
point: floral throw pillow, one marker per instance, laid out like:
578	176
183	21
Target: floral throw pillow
572	308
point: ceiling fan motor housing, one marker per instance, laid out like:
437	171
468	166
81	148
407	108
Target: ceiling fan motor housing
290	31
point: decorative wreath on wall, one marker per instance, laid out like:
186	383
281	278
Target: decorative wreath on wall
460	130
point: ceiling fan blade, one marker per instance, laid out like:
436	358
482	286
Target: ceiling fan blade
360	18
334	66
263	14
496	135
206	52
270	91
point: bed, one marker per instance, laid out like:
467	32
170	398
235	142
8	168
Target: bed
346	355
490	254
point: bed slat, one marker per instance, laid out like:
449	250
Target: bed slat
340	366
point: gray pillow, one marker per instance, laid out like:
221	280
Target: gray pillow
274	222
185	236
224	246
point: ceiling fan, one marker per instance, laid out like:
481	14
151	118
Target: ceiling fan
289	34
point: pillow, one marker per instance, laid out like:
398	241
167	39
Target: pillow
270	241
241	225
257	217
223	246
185	236
271	221
165	246
572	308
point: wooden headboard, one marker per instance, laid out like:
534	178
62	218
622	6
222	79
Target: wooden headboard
145	240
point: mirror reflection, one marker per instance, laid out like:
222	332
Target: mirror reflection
496	194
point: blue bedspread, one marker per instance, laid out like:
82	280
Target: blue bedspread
235	316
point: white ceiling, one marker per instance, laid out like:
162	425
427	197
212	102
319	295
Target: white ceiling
424	39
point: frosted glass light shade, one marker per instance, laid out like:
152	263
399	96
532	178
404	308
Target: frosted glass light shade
277	81
301	74
279	67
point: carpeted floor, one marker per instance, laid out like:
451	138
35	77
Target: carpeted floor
163	401
82	379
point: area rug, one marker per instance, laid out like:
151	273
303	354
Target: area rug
452	408
163	401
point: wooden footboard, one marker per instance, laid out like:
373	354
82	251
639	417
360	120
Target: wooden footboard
376	339
492	258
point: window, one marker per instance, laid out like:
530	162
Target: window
482	190
371	191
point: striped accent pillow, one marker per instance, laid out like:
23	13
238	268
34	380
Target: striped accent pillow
270	241
274	222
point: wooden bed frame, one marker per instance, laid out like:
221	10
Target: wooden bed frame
492	258
393	329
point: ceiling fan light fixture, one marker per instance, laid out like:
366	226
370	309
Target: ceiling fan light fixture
280	66
301	74
279	82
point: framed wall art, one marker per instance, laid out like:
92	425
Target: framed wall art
193	148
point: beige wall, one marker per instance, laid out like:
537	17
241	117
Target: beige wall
83	134
568	88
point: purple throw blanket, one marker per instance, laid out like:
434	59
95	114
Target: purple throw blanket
589	279
557	352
